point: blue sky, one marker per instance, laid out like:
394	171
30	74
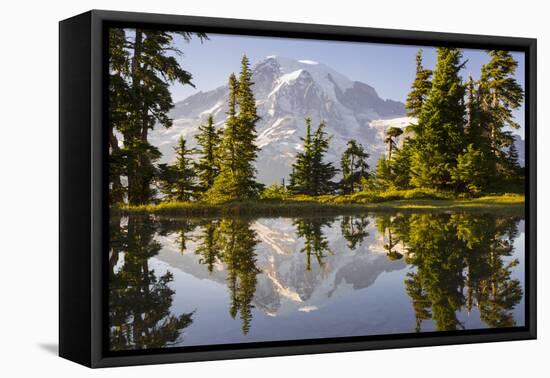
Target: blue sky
388	68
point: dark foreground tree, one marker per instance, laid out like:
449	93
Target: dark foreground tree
499	95
354	167
143	66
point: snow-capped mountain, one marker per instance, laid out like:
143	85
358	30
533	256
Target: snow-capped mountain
286	91
284	285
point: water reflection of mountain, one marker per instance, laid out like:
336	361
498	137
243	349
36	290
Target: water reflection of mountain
287	282
205	280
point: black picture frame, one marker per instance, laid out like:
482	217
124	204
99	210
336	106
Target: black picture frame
83	207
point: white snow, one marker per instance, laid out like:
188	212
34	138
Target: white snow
272	133
382	125
270	238
319	72
285	79
400	122
308	308
212	110
307	61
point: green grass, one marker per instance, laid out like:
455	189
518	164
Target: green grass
404	200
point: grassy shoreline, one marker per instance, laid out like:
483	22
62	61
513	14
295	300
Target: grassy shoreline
298	206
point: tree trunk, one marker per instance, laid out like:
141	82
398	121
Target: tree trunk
116	190
133	182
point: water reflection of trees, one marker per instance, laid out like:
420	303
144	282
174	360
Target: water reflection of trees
315	241
462	261
227	241
354	229
387	225
236	242
139	299
208	247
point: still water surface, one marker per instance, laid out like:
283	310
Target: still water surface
205	281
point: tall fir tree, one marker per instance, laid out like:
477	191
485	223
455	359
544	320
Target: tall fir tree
322	172
225	184
473	126
420	88
178	181
146	63
208	165
499	94
311	174
471	172
354	167
119	100
439	135
383	174
401	165
238	150
300	178
247	119
472	169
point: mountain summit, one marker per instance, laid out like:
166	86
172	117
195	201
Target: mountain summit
286	91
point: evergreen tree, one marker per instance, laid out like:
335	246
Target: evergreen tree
420	88
142	67
354	167
300	178
473	126
512	160
238	150
247	119
383	174
322	172
499	94
391	134
177	181
208	166
119	92
225	185
153	69
439	135
470	173
401	165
